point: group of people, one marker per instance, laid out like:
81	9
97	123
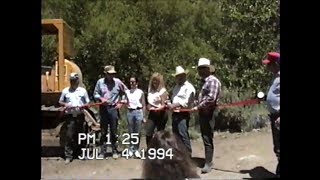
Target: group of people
113	93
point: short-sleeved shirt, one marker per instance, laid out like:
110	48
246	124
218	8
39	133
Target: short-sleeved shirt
183	94
154	98
75	98
134	98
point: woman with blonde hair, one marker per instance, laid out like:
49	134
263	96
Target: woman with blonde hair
157	95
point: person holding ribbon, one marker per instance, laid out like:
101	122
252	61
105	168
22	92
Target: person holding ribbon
136	111
157	95
72	99
182	96
110	91
207	103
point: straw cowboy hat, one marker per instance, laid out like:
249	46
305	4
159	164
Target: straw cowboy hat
180	70
204	62
109	69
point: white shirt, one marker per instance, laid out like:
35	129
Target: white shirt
76	98
154	98
134	98
183	94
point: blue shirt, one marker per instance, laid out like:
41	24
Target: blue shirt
111	91
273	97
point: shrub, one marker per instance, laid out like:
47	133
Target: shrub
237	119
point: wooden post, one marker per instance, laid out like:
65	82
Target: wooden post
61	58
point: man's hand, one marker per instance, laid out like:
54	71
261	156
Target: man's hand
67	106
103	100
124	101
171	106
118	106
277	123
194	109
144	120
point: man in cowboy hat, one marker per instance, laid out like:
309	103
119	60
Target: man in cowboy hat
272	63
72	98
182	97
207	100
110	91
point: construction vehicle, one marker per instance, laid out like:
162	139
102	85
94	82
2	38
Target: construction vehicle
55	79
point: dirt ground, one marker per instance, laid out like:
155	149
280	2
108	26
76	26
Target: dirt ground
237	156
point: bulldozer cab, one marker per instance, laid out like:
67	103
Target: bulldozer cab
65	49
55	79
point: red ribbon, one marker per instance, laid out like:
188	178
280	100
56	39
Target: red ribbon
240	103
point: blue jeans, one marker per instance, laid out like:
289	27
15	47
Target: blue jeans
109	116
135	118
180	126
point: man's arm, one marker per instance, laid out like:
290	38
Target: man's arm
97	91
62	100
86	97
122	94
123	89
191	97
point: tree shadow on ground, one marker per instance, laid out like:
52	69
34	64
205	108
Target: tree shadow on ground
259	172
52	151
199	162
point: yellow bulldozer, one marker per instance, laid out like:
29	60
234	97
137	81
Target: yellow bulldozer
54	79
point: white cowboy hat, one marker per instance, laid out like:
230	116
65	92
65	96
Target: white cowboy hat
204	62
180	70
109	69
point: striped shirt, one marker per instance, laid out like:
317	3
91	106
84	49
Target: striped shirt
209	93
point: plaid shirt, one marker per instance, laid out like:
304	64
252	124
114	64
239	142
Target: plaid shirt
209	93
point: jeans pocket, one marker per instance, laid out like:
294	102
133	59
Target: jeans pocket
139	115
